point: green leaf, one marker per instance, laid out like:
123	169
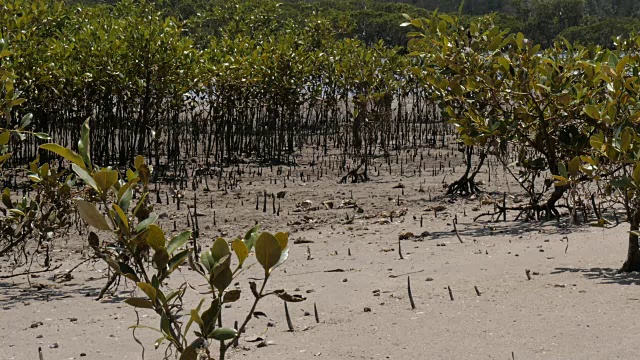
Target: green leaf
283	239
220	249
85	176
241	250
417	23
621	183
42	136
155	237
84	147
189	353
5	137
209	317
6	198
207	260
592	112
164	324
268	251
159	342
597	142
121	215
68	154
149	290
161	258
178	241
625	141
178	259
222	334
105	179
91	215
143	225
283	257
194	318
26	120
138	161
562	170
4	158
139	303
520	40
251	236
125	194
636	174
222	278
127	271
574	166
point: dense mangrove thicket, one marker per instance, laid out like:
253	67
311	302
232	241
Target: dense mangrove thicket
563	117
260	90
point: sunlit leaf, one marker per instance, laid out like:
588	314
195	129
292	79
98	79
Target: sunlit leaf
91	215
268	251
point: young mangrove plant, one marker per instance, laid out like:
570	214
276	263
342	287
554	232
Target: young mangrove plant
127	237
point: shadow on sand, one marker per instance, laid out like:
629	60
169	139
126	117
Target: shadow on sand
604	275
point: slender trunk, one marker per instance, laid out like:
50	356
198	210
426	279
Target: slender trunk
633	253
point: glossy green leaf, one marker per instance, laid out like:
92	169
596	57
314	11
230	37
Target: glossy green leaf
241	250
574	166
222	334
42	136
220	249
189	353
5	137
195	317
143	225
636	173
592	112
121	216
251	236
68	154
267	251
25	121
139	303
154	236
178	259
562	170
85	176
178	241
84	148
149	290
105	179
161	258
221	279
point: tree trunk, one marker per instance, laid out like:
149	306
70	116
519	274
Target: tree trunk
633	253
466	185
